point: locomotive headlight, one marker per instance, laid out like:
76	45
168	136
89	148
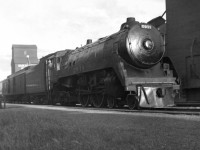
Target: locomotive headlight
148	44
160	92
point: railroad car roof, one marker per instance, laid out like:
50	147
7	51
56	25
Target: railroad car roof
20	72
24	46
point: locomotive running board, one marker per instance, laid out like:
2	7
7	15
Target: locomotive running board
131	83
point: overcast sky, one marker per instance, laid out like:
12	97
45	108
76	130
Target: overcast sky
60	24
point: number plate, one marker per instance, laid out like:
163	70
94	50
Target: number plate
146	26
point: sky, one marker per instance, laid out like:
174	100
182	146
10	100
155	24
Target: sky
55	25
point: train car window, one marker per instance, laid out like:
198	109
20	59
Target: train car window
58	63
50	63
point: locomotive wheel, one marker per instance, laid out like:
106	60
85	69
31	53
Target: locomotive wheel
62	103
55	98
35	100
132	102
84	100
120	104
111	101
70	104
98	100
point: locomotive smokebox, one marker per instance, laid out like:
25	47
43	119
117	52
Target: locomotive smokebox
142	45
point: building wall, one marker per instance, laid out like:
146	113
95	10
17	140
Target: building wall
1	87
183	43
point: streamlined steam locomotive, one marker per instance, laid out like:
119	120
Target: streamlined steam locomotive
125	68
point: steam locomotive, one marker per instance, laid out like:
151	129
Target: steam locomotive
125	68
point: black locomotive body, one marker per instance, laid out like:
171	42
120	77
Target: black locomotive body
125	68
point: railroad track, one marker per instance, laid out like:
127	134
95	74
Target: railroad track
167	110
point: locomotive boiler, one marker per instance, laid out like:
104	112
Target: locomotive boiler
125	68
